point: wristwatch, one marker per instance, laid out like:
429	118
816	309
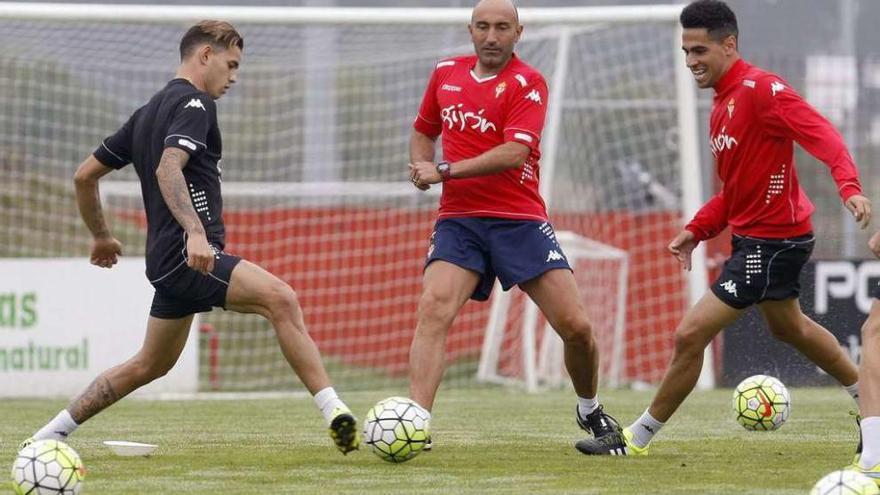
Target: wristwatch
444	171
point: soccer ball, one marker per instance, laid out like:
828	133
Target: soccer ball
845	483
761	403
396	429
47	467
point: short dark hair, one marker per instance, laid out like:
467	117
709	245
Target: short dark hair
713	15
219	34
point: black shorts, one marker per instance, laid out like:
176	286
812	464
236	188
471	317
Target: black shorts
184	291
763	269
514	251
875	290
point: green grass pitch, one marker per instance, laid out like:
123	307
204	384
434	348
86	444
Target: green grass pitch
487	440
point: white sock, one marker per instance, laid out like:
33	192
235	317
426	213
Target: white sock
327	401
853	391
586	406
870	442
59	428
644	429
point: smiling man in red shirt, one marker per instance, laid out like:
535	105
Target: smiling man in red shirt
756	118
489	108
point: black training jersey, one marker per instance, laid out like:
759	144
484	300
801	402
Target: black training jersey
178	116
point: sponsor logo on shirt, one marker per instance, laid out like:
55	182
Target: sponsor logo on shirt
722	142
454	117
523	137
195	103
534	96
187	143
449	87
776	87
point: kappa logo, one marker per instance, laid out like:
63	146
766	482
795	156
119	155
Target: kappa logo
195	103
554	255
534	96
730	287
776	87
450	87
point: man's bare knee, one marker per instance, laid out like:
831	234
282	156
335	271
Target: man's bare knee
871	330
575	329
143	371
437	306
689	341
282	301
787	333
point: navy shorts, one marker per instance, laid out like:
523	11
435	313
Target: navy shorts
763	269
514	251
184	291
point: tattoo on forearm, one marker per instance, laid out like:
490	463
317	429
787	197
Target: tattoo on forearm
90	210
173	186
97	397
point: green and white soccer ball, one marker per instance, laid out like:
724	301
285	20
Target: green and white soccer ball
396	429
845	483
47	467
761	403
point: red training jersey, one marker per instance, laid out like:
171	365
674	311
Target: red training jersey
474	115
756	117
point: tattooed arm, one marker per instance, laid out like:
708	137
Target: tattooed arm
105	248
174	191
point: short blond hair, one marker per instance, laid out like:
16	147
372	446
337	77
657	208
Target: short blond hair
219	34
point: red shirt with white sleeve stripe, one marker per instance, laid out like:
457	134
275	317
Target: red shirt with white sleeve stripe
756	118
474	115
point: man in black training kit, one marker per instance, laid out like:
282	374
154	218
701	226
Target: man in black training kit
175	146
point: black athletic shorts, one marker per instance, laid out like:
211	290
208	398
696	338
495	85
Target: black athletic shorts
875	290
184	291
763	269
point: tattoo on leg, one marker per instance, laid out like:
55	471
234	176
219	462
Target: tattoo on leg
97	397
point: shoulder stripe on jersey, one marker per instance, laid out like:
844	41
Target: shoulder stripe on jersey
185	136
521	79
446	63
111	152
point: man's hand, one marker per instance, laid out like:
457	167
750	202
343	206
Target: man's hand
874	244
423	174
682	246
860	207
200	256
105	251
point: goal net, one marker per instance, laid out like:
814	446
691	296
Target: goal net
315	181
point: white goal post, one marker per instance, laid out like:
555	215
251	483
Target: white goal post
612	160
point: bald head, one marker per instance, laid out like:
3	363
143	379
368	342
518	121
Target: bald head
495	29
496	8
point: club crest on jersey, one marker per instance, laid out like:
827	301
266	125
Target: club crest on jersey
455	117
500	88
776	87
731	105
195	103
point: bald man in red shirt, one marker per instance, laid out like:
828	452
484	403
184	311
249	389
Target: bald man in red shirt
489	108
